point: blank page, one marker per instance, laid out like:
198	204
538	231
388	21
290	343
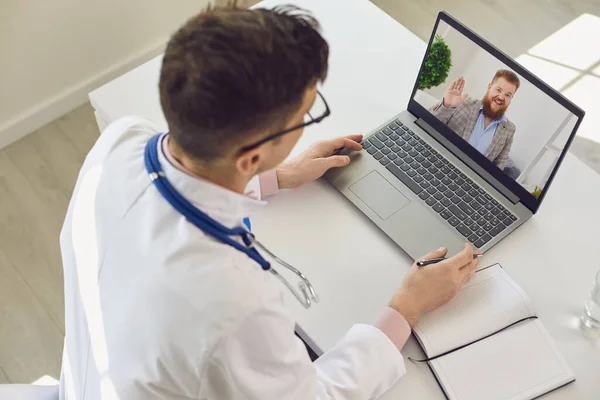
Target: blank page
487	303
516	364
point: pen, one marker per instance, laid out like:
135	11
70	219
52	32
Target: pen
424	263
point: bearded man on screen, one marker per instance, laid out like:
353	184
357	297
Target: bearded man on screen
482	123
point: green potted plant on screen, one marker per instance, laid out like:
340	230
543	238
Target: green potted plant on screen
437	65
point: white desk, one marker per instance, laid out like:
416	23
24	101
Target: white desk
352	264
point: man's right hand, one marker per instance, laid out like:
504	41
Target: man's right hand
426	288
454	95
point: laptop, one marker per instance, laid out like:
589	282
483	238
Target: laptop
471	158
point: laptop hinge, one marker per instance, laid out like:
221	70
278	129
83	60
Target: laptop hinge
468	161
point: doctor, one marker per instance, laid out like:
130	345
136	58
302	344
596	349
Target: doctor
165	294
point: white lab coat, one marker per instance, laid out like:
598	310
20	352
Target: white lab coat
156	309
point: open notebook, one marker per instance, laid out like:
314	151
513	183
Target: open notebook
518	363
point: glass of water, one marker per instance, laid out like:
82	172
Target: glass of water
591	314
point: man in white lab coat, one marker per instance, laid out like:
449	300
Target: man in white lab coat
158	309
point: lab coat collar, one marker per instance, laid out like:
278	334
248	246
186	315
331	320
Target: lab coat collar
222	204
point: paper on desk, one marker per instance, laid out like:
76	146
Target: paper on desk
487	303
519	363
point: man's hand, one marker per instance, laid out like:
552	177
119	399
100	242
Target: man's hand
454	95
426	288
315	161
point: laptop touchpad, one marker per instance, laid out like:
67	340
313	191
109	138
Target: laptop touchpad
380	195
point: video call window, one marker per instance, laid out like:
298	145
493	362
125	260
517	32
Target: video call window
515	125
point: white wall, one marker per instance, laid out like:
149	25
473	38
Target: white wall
462	53
54	52
535	115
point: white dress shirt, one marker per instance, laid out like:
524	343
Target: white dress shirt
156	309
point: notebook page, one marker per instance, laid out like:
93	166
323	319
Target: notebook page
487	303
520	363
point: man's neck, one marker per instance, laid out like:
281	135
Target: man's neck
487	122
217	176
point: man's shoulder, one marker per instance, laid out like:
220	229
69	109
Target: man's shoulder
126	128
133	123
510	126
122	131
470	103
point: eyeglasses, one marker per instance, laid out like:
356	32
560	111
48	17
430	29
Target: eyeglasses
319	108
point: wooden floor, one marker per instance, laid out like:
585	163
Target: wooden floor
37	176
38	173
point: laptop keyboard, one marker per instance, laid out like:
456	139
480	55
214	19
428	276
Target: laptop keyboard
439	184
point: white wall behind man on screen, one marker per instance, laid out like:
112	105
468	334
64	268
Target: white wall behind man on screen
462	51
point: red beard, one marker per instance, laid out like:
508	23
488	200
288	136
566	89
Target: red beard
489	112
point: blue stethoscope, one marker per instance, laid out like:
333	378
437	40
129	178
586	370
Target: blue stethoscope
217	230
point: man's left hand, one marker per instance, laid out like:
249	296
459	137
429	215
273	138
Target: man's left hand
315	161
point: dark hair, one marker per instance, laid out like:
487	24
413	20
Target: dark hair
509	76
229	73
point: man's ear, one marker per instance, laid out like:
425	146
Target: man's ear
249	162
489	86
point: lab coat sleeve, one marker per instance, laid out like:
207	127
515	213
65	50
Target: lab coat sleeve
263	359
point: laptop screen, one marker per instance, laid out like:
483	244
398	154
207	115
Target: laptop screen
515	124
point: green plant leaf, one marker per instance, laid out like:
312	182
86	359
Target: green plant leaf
437	64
